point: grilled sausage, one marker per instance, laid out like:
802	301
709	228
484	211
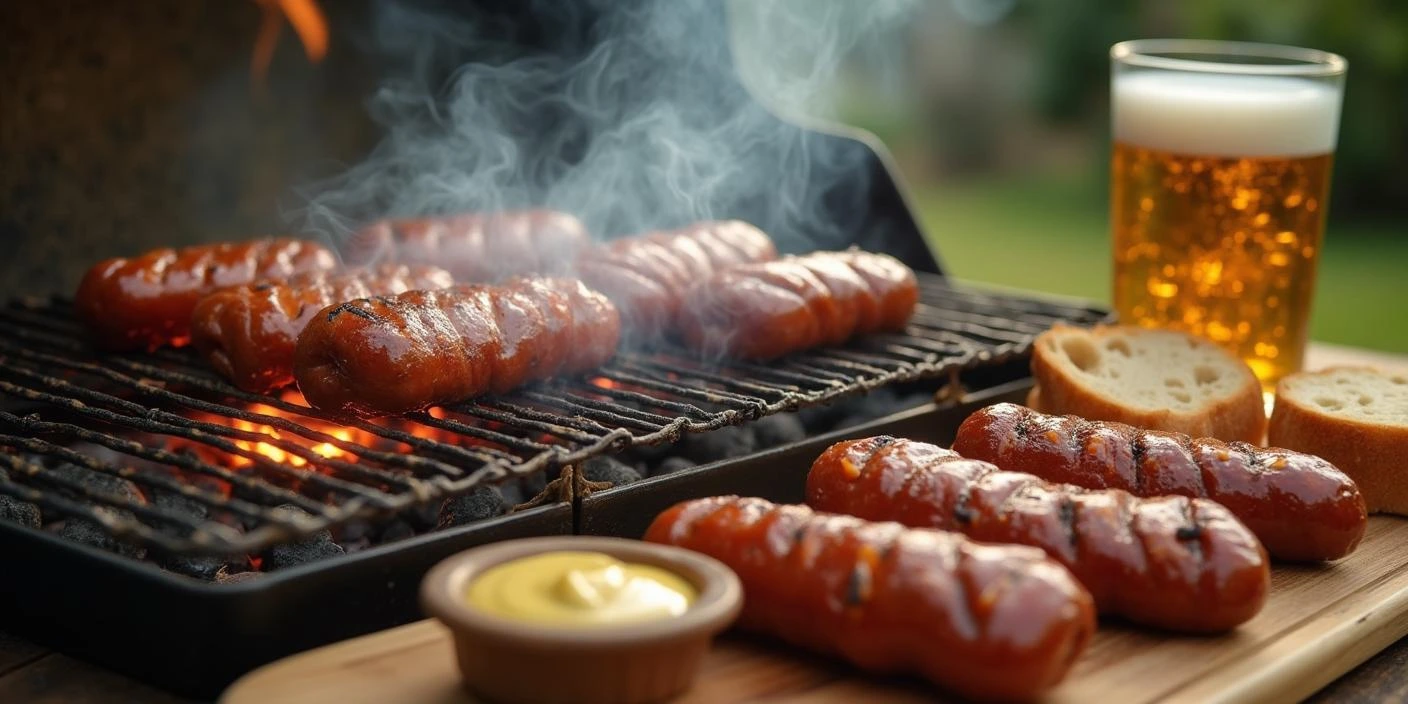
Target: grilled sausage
984	621
392	354
766	310
146	301
249	332
475	247
1171	562
1301	507
646	276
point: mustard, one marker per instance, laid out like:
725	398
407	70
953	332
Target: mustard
570	588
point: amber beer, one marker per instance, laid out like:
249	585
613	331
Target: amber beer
1218	200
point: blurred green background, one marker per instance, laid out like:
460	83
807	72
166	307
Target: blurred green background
997	114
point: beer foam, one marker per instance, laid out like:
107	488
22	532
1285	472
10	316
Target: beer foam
1210	114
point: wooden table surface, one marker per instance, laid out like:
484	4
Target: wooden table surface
30	673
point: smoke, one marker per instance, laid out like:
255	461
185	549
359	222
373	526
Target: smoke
629	114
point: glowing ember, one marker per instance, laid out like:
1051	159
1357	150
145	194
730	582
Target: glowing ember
308	23
603	383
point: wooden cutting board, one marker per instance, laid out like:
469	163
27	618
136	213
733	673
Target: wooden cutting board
1319	623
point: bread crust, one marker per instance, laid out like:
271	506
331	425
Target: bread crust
1370	453
1241	416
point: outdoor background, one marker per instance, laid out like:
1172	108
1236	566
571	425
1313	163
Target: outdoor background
996	112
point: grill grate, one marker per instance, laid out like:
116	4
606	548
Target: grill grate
162	419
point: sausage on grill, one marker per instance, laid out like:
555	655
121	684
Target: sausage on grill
1171	562
393	354
476	247
249	332
646	276
1301	507
984	621
146	301
769	309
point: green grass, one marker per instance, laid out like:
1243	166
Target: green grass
1053	236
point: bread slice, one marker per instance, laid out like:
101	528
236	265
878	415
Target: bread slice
1154	379
1355	417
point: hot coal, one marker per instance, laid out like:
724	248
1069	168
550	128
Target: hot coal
397	530
318	546
82	530
609	469
670	465
721	444
480	503
16	511
203	568
779	429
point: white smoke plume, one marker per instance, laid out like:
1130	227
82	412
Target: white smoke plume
634	119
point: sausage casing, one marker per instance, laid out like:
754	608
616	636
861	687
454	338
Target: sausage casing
985	621
768	309
475	247
646	276
1301	507
1171	562
248	333
393	354
146	301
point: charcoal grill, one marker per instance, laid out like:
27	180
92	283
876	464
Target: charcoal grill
165	423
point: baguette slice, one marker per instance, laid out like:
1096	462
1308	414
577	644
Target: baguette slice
1153	379
1355	417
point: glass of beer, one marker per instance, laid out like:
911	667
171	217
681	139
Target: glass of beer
1220	176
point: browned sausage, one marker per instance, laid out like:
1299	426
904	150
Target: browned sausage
646	276
392	354
984	621
476	247
146	301
1171	562
766	310
249	332
1301	507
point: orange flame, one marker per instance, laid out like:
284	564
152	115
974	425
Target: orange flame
602	382
308	23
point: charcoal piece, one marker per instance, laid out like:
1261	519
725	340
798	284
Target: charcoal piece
819	419
179	504
779	429
397	530
16	511
318	546
98	481
226	576
200	567
651	454
609	469
423	518
511	494
82	530
480	503
715	445
670	465
352	532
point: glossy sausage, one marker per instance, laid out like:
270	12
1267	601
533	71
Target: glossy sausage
983	621
1301	507
248	333
769	309
393	354
1170	562
475	247
145	302
646	276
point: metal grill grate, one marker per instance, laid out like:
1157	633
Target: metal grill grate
161	420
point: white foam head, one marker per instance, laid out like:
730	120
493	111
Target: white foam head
1210	114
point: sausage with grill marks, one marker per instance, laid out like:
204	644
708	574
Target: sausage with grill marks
1301	507
984	621
769	309
1171	562
145	302
248	333
476	247
646	276
393	354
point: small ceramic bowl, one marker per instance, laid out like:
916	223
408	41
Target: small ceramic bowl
511	661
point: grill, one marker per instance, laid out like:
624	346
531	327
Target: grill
140	406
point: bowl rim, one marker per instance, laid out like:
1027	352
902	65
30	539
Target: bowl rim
719	601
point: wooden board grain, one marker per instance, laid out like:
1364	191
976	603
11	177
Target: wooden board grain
1319	623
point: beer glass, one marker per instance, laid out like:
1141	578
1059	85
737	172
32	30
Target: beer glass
1220	174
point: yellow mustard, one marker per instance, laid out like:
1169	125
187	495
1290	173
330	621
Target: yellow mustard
574	588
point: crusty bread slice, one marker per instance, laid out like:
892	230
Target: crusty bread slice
1154	379
1355	417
